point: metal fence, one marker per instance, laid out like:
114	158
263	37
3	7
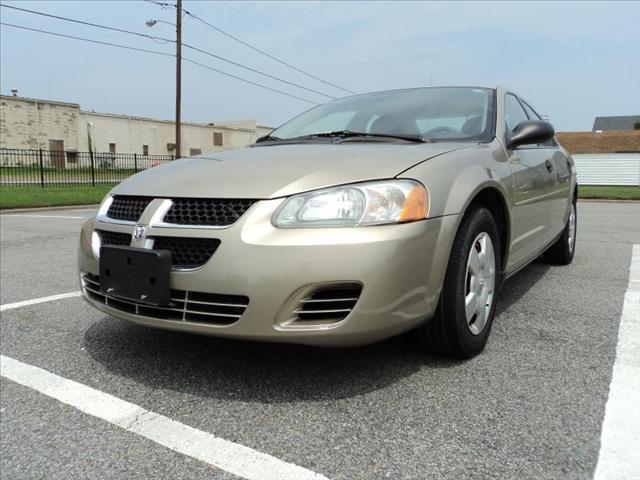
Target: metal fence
608	169
44	168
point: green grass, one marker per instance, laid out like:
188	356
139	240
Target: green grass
609	193
25	197
29	174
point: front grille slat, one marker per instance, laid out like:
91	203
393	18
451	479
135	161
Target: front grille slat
213	314
222	310
315	300
213	212
213	303
333	310
127	207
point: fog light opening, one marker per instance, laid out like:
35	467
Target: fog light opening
95	244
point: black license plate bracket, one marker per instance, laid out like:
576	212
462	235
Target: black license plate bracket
136	274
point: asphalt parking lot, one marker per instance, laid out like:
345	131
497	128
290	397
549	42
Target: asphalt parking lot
531	406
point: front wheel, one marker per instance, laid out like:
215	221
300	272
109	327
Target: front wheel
562	251
462	322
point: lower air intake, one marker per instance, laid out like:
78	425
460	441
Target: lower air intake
186	305
328	304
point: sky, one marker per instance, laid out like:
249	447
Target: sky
572	60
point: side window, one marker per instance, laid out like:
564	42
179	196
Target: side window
513	112
534	116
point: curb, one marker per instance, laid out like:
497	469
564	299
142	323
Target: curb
45	209
607	200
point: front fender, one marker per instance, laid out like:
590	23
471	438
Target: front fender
454	179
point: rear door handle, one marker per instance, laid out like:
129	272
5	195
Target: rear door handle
548	164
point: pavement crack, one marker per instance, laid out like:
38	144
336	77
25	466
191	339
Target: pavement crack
139	418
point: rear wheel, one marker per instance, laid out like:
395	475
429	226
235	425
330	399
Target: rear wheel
463	319
562	251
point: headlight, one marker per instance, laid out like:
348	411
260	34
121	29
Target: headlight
371	203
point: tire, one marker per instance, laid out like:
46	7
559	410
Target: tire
449	332
563	250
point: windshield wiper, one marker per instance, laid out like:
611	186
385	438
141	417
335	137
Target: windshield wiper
343	134
268	138
350	134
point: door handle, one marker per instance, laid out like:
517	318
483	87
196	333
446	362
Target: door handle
548	164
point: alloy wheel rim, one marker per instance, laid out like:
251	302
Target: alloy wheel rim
572	228
480	283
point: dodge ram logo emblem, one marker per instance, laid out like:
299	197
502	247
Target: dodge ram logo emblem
139	232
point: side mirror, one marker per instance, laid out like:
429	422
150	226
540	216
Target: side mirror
530	132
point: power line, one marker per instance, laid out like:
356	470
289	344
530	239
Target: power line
218	57
252	47
266	54
96	25
162	4
213	55
248	81
88	40
155	52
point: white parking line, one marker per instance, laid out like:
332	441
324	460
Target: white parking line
620	439
39	216
231	457
26	303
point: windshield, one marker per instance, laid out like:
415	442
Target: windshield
433	113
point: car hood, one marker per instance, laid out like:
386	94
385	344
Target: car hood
279	170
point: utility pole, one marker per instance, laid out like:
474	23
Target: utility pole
178	74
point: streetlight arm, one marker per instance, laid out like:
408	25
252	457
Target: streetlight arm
151	22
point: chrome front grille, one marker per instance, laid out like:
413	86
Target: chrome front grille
187	252
190	212
114	238
328	304
186	305
214	212
128	208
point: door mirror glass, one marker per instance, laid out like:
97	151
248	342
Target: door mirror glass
531	132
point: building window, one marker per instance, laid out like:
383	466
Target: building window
217	139
72	156
145	149
112	148
194	151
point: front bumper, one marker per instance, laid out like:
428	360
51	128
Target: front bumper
400	267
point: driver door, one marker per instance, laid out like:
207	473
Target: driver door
534	182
